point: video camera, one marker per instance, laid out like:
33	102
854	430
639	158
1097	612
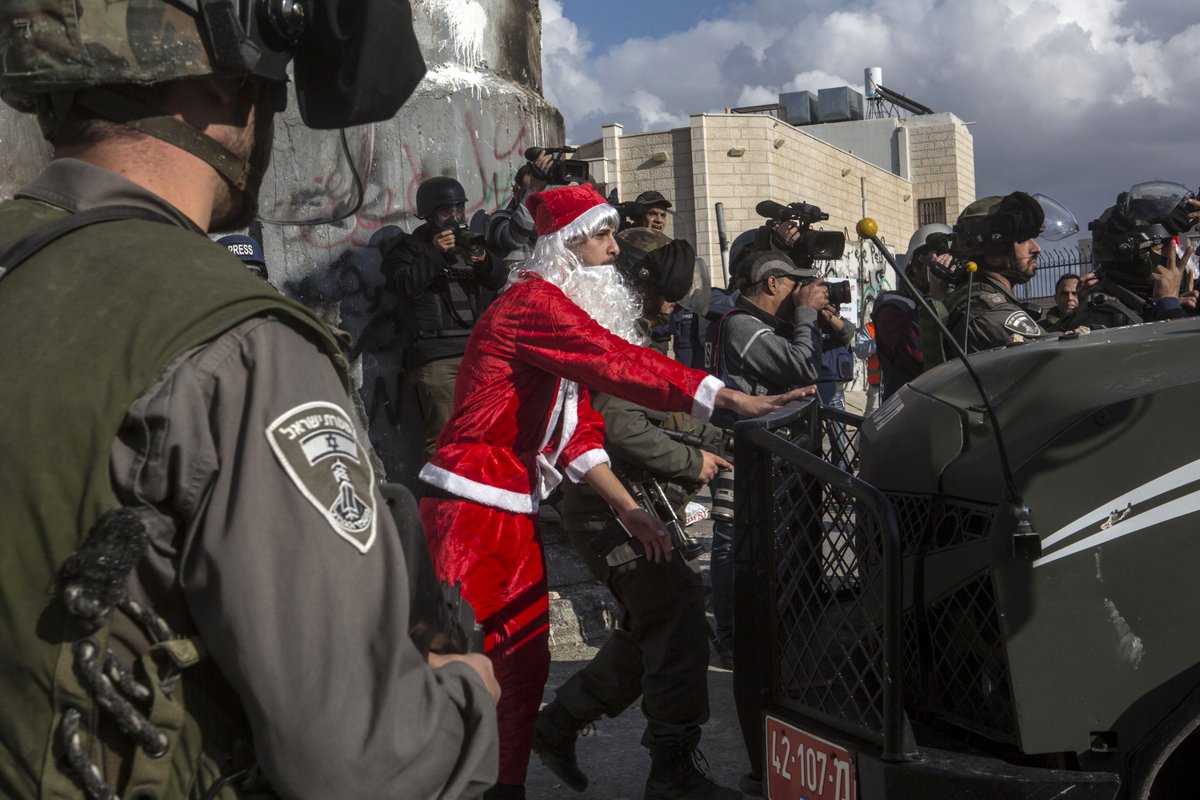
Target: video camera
562	171
940	244
633	213
810	245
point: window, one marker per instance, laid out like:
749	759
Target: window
931	210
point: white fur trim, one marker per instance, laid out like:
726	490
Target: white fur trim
585	462
560	395
587	221
469	489
706	398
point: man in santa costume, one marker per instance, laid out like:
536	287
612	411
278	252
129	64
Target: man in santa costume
564	322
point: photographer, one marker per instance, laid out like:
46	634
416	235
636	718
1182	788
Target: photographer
510	231
659	651
768	342
440	272
654	210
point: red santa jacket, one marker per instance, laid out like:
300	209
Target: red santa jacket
521	400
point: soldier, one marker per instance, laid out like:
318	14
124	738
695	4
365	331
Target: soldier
202	592
441	286
999	234
1066	300
660	650
1140	271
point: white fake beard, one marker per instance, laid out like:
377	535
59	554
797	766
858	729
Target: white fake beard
603	294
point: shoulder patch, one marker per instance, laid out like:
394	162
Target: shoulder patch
317	448
1022	323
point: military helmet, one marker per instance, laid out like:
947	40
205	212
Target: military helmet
433	193
653	259
55	46
356	61
1124	234
920	238
991	225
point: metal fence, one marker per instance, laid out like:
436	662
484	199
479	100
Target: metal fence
823	625
817	561
1052	265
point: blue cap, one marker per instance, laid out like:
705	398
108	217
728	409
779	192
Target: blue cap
248	250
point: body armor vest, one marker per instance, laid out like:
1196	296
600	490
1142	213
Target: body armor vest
90	322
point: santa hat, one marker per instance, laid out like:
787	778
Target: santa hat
570	211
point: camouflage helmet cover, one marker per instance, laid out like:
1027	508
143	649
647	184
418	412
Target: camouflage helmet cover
49	46
636	243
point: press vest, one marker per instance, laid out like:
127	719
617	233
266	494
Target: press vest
89	324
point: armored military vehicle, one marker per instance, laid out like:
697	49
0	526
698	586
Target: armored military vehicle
929	623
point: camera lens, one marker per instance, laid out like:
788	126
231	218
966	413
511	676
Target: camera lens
722	496
839	292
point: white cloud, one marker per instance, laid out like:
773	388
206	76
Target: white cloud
1087	95
565	75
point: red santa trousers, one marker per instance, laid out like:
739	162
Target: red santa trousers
498	557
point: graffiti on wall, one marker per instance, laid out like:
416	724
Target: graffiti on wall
339	269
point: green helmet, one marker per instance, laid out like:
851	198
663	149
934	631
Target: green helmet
991	225
356	61
52	47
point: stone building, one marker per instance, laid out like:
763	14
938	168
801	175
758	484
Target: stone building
902	172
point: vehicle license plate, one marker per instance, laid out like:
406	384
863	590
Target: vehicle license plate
801	766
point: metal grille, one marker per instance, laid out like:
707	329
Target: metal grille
827	550
828	650
934	523
954	666
970	671
826	558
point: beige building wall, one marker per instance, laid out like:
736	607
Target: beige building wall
739	160
943	166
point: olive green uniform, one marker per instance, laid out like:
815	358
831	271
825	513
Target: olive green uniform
984	314
145	369
661	649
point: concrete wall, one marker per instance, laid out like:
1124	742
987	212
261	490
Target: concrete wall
478	109
472	118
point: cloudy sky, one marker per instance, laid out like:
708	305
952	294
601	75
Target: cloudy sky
1078	99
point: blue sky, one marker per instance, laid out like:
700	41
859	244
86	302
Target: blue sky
610	22
1078	99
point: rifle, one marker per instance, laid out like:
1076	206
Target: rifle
648	493
440	620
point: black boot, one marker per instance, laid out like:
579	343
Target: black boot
554	736
505	791
676	774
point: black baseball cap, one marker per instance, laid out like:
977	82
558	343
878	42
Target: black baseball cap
653	199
